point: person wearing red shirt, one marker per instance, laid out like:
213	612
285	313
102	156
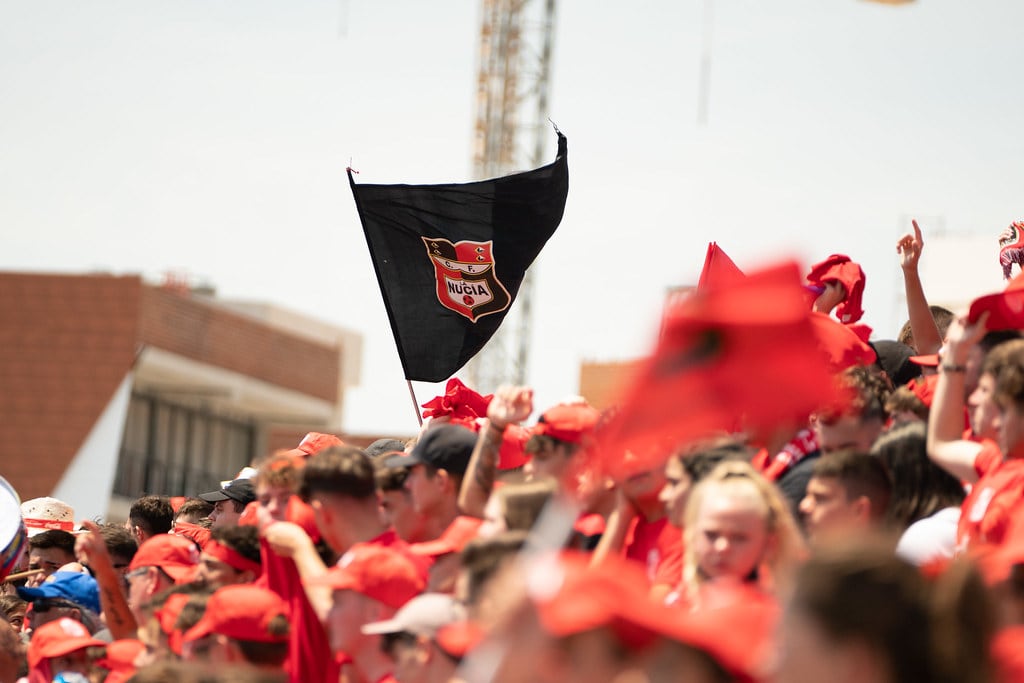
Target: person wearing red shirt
995	470
369	584
642	532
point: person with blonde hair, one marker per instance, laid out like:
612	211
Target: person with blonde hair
738	531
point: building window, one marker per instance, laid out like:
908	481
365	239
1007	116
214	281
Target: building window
173	450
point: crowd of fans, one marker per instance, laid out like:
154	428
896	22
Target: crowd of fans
878	539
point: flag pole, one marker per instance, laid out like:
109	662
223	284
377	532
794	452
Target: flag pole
415	403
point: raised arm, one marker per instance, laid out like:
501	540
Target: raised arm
510	405
91	551
946	446
927	338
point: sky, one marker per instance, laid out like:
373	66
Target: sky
210	138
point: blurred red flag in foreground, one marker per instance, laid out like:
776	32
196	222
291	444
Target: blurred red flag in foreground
742	354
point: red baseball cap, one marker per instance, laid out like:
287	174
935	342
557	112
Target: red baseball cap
929	360
200	535
243	612
459	638
313	443
924	388
452	540
58	638
378	572
571	597
120	659
513	444
176	555
567	422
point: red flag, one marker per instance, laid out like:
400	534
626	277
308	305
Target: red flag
719	270
744	353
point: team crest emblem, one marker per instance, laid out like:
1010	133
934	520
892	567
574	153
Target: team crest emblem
466	281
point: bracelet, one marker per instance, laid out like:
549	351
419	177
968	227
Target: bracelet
497	430
949	367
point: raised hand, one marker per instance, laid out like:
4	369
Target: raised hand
510	405
91	549
909	248
286	538
833	295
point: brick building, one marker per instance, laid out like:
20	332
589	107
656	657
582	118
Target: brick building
111	388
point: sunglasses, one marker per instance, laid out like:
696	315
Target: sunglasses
136	573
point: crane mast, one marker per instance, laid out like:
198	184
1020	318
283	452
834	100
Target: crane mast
511	129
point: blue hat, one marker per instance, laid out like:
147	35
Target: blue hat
80	589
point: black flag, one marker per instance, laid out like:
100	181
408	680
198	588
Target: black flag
450	258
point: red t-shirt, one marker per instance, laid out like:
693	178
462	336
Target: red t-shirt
659	546
985	513
309	652
1008	654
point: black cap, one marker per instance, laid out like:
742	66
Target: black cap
894	358
240	490
445	447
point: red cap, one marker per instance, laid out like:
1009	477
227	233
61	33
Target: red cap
57	638
120	658
572	597
1005	309
924	388
452	540
199	534
313	443
175	555
378	572
459	638
737	628
513	444
243	612
929	360
567	422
